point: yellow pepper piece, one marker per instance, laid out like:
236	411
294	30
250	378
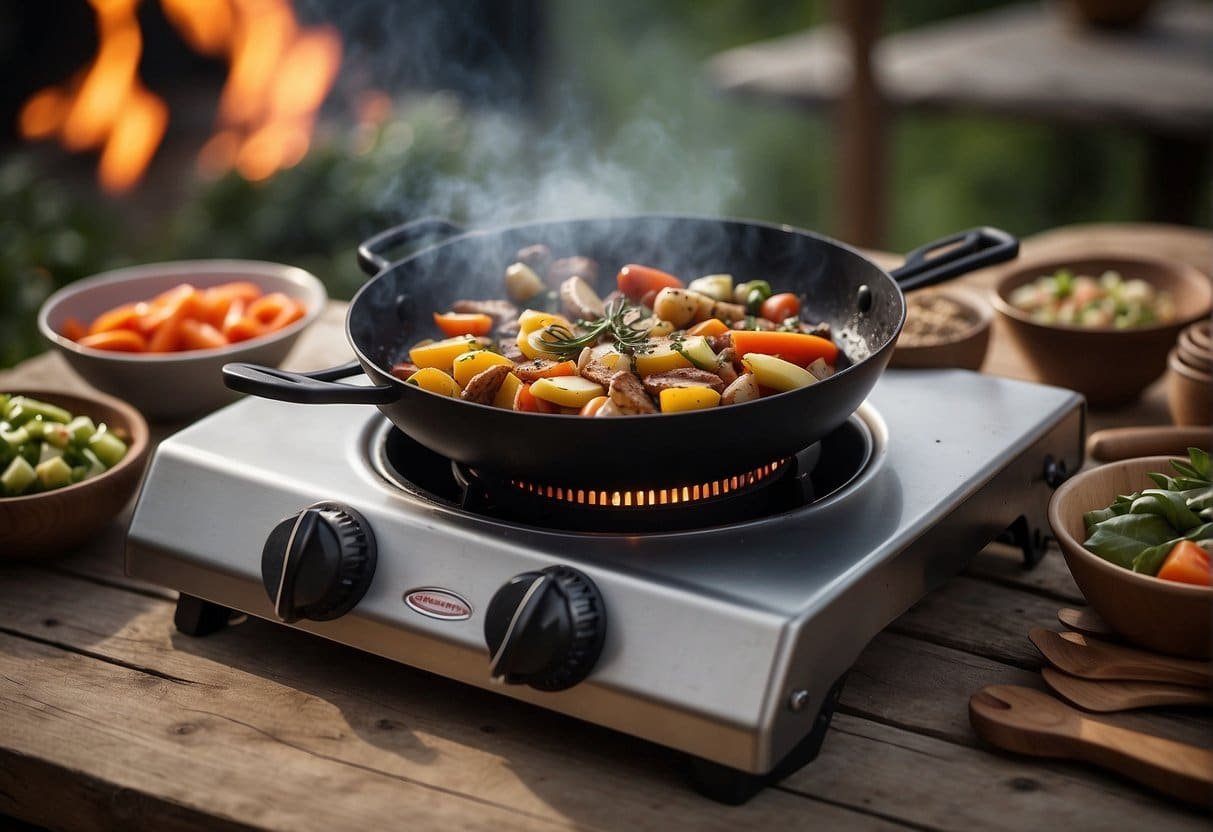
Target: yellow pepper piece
469	364
675	399
660	357
566	391
442	354
436	381
507	392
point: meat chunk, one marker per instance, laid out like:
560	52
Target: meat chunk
682	377
529	370
628	396
482	387
538	257
566	267
720	343
597	371
510	349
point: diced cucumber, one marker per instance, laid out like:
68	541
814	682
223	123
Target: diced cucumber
17	477
47	451
5	398
35	428
108	448
54	473
696	350
56	434
81	428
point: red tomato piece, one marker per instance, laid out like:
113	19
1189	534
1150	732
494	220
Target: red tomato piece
779	308
635	281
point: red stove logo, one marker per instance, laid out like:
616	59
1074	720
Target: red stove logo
438	603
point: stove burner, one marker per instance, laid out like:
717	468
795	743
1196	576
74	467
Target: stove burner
809	476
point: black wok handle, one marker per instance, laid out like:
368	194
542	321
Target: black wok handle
958	254
315	387
370	252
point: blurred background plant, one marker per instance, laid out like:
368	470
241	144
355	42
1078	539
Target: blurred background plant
614	114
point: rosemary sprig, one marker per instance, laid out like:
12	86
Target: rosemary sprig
617	323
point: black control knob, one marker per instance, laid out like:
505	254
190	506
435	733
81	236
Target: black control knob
318	563
545	629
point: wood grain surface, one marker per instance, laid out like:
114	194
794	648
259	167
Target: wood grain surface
110	719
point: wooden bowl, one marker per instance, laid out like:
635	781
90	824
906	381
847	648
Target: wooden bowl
1189	351
1108	366
54	522
1160	615
965	349
1189	393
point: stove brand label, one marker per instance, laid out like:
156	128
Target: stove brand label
438	603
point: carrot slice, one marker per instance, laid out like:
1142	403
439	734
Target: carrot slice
712	326
200	335
290	313
268	307
116	340
530	403
594	405
635	280
126	316
1187	563
73	329
800	348
243	329
464	323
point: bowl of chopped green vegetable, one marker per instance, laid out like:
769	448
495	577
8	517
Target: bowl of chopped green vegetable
1136	535
1101	325
69	464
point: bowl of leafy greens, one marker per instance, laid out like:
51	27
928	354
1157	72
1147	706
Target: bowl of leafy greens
1136	535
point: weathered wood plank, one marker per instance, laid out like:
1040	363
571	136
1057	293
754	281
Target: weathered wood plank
275	679
340	707
1050	577
942	785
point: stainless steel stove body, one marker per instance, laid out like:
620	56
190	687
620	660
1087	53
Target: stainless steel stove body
723	642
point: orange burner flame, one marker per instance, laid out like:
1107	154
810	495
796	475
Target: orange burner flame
278	76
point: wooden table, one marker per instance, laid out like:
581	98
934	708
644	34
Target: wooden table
110	719
1027	61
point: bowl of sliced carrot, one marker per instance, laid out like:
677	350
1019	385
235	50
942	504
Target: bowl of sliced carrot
157	335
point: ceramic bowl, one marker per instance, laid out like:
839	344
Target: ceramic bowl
1160	615
1189	393
919	347
174	386
1109	366
54	522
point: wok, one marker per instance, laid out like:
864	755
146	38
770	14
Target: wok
862	302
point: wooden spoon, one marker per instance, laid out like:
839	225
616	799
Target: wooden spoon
1154	440
1085	621
1029	721
1093	659
1111	695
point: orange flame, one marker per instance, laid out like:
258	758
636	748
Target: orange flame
278	76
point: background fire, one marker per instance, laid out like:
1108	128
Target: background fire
278	74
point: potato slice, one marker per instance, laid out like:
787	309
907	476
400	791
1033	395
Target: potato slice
566	391
776	373
471	363
442	354
677	399
659	357
434	380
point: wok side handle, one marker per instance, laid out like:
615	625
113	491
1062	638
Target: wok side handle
315	387
954	255
371	252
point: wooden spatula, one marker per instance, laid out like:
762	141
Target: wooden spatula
1093	659
1029	721
1113	695
1086	621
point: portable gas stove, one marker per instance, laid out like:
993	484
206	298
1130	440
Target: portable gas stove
717	618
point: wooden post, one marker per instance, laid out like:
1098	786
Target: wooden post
860	189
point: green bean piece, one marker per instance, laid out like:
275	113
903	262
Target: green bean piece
49	412
108	448
80	429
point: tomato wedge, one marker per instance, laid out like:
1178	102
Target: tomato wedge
800	348
464	323
1187	563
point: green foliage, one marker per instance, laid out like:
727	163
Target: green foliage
49	238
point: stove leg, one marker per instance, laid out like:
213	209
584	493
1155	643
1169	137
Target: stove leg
196	617
734	787
1030	540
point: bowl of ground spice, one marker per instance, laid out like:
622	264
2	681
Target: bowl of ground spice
945	327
